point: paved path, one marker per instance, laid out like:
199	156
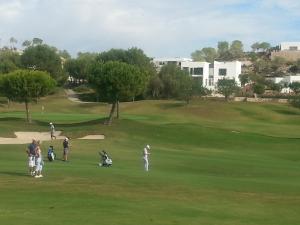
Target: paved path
72	96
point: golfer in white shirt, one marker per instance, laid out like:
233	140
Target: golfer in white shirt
145	157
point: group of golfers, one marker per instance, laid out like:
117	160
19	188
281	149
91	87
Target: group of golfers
35	158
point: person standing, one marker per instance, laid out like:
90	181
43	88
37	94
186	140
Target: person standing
66	145
146	158
31	157
52	131
39	161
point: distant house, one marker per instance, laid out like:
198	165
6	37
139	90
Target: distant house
286	80
287	50
208	74
160	62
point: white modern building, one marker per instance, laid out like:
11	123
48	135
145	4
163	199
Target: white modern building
160	62
198	70
287	50
290	46
286	80
209	73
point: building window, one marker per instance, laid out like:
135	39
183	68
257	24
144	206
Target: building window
293	48
198	71
222	72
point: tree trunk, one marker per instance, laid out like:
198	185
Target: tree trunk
27	112
118	109
8	103
111	114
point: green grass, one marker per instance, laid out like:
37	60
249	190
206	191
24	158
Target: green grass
211	163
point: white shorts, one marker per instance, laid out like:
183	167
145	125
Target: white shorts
39	166
31	161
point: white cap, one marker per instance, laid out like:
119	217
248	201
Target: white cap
50	123
148	146
66	139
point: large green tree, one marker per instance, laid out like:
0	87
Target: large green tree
9	60
207	54
116	81
44	58
176	83
26	86
133	56
79	68
223	51
236	49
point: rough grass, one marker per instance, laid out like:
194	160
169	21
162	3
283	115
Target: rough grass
211	163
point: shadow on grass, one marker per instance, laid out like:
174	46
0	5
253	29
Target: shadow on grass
172	105
44	123
286	112
11	173
84	123
12	119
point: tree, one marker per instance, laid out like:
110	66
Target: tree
258	88
9	60
25	86
78	68
185	87
155	86
236	49
198	89
264	46
227	87
172	82
44	58
13	41
255	46
295	67
295	86
208	54
223	51
26	43
116	81
273	86
170	75
37	41
64	54
278	66
133	56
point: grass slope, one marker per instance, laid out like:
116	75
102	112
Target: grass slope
211	163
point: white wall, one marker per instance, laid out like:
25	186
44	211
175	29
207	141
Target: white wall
193	65
211	75
160	62
286	79
233	70
287	45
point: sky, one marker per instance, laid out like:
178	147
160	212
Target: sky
162	28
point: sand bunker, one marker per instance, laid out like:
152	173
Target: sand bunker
26	137
93	137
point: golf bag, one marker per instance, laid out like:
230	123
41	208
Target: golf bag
105	159
51	155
